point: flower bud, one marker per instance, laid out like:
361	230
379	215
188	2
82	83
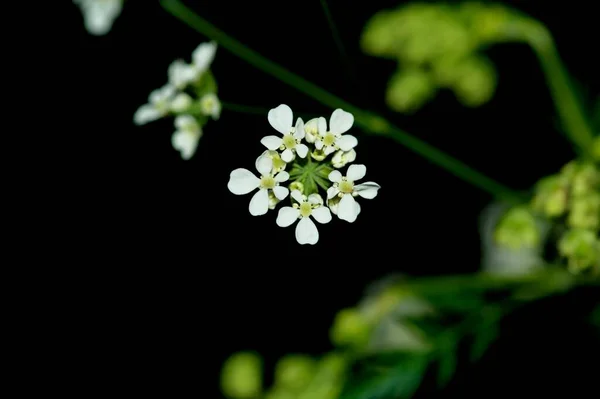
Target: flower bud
241	377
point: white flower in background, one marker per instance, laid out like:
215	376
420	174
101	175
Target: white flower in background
181	74
334	139
211	106
281	119
159	105
306	230
99	15
242	181
202	57
342	158
343	186
181	102
186	136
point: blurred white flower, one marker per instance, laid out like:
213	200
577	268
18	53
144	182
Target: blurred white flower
99	15
342	158
242	181
181	74
159	105
186	136
181	102
210	105
334	139
306	230
343	186
281	119
202	57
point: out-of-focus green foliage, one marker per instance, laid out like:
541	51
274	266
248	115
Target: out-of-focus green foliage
241	377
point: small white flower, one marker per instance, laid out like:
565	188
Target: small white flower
344	188
186	137
181	74
334	139
306	230
281	118
99	15
342	158
278	163
181	102
311	130
159	105
202	57
334	204
242	181
210	105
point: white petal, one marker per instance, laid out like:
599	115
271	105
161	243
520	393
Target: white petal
306	232
162	94
146	113
319	144
302	150
332	192
271	142
259	204
367	190
281	118
340	121
335	176
315	199
357	208
203	55
185	122
181	102
350	156
329	149
299	133
264	165
282	177
280	192
297	196
287	216
287	155
322	214
242	181
347	209
346	142
322	126
356	172
186	142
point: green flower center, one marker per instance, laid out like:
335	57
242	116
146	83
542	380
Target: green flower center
305	209
289	141
346	186
267	182
329	139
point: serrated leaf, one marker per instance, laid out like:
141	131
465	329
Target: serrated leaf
396	376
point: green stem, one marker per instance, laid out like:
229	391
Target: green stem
570	111
369	121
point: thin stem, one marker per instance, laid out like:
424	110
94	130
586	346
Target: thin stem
336	38
369	121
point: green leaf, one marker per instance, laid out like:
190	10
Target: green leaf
486	332
390	376
447	360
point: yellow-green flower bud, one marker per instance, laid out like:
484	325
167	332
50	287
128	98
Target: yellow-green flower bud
294	372
488	22
297	186
586	180
350	328
378	37
517	229
241	377
476	81
550	197
409	89
581	248
585	212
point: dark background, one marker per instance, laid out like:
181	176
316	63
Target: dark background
187	276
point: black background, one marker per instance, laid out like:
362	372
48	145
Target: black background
187	276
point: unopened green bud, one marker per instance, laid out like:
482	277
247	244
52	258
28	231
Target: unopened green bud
581	248
476	82
585	212
350	328
550	196
241	377
517	229
294	372
297	186
586	180
409	89
378	37
318	155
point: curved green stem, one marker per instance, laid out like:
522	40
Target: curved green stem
369	121
568	106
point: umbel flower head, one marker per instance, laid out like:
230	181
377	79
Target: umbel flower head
306	159
99	15
190	96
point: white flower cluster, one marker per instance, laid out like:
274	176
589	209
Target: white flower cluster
99	15
190	96
287	160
